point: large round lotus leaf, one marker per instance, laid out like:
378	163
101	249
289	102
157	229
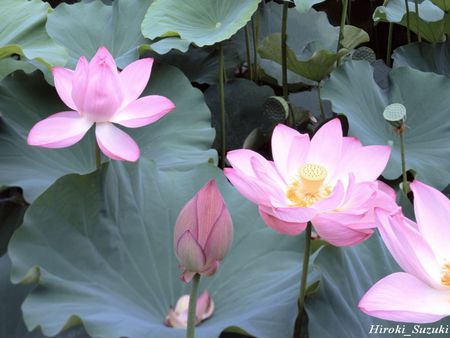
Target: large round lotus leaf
100	247
425	57
201	65
179	140
432	19
11	299
22	32
316	68
198	21
85	26
309	101
353	91
312	54
244	107
346	275
443	4
12	209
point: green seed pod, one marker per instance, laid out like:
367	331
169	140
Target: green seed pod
395	114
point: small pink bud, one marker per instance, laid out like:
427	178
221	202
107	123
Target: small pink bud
203	233
177	317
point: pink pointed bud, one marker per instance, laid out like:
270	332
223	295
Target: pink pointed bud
203	233
177	317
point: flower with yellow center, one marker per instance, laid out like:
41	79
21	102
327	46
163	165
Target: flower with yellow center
308	188
445	274
328	179
421	294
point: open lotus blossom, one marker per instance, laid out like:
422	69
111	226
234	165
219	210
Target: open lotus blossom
203	233
329	180
97	93
178	316
421	294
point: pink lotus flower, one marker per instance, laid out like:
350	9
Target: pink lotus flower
178	317
97	93
329	180
203	233
421	294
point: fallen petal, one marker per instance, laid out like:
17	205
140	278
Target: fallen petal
177	317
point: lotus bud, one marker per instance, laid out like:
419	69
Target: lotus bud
177	317
203	233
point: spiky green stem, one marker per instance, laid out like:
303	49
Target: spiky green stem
304	279
190	333
247	49
408	22
222	106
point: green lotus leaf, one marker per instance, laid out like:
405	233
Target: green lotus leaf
12	209
201	65
85	26
353	91
11	299
10	65
200	22
431	20
22	33
244	106
442	4
304	6
164	46
353	37
179	140
316	68
425	57
312	54
101	246
309	101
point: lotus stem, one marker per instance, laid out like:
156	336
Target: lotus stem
408	30
405	185
190	333
349	12
284	50
419	35
322	111
98	157
389	45
247	49
255	48
222	106
341	27
304	278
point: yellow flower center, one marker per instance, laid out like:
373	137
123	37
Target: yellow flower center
445	274
308	188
